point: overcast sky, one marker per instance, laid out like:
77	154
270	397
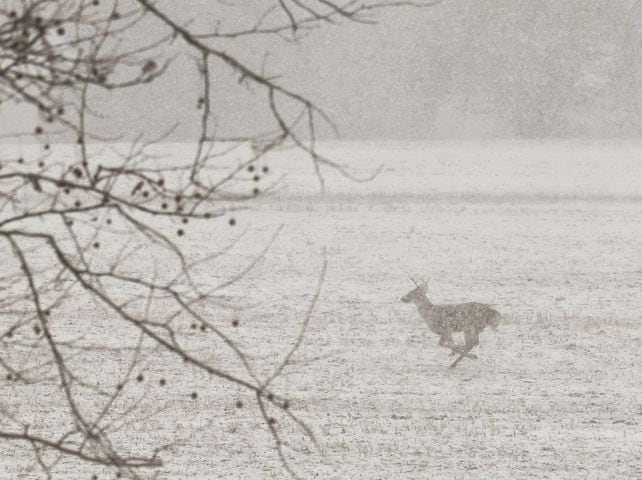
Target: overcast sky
462	69
370	79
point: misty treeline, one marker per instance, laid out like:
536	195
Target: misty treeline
538	68
116	317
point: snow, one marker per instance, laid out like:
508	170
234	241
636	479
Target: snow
547	233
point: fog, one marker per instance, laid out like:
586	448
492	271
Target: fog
460	69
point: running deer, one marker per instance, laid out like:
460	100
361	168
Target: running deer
470	318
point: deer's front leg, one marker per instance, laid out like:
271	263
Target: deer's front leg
446	340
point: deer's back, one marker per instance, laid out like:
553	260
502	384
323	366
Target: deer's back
460	317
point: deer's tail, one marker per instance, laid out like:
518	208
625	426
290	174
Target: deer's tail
494	319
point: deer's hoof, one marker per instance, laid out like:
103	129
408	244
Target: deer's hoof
473	356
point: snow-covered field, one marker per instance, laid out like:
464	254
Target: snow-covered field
548	233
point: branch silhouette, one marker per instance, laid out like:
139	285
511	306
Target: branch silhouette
102	287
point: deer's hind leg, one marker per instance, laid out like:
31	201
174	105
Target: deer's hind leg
472	340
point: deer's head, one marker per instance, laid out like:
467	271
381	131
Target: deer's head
417	293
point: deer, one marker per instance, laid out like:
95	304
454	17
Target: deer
470	318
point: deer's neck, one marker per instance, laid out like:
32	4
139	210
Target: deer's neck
425	310
424	305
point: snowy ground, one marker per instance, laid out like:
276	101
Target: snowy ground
556	391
